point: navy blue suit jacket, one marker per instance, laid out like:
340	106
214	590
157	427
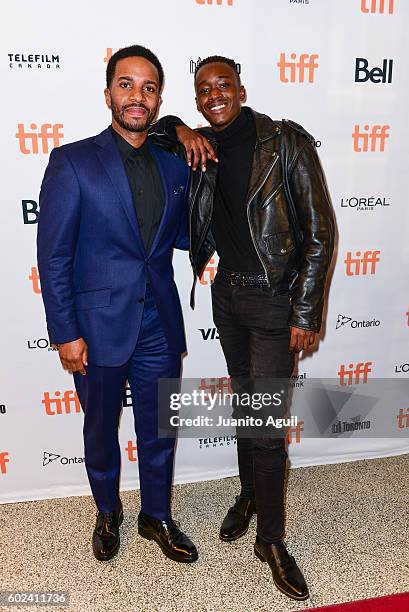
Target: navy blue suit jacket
92	263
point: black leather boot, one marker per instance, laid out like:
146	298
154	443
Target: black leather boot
287	575
105	539
172	541
236	522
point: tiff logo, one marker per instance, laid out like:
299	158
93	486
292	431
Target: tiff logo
352	375
377	6
403	418
213	386
48	132
407	318
359	264
131	451
61	405
370	137
35	280
208	274
288	69
229	2
4	460
294	433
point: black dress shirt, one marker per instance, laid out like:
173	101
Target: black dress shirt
230	226
146	187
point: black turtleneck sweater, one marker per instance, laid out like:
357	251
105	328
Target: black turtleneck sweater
229	225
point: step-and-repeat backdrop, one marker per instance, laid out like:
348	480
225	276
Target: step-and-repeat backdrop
339	67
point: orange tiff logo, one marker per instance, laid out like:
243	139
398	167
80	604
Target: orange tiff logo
353	375
131	451
213	386
4	460
360	264
28	141
208	274
66	404
294	433
371	138
407	318
35	280
294	72
403	418
377	6
229	2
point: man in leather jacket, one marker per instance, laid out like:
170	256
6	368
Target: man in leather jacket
266	210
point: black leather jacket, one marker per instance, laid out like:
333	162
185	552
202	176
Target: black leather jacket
290	216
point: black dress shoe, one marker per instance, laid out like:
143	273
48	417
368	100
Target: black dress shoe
236	522
173	542
105	539
287	575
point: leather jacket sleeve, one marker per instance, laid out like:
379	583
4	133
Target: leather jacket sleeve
315	217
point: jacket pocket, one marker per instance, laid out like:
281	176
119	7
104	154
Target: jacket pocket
280	244
93	299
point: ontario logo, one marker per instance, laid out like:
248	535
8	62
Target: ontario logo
52	457
343	320
194	64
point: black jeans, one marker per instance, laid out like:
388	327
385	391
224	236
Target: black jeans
255	337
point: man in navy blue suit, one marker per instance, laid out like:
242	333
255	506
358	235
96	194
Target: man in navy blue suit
113	208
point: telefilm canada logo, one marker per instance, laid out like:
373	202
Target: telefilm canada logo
49	458
300	2
34	61
194	63
365	203
217	442
345	321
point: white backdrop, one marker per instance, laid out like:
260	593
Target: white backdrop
53	70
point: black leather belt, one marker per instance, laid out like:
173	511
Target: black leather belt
243	279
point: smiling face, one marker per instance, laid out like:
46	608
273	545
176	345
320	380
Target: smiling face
219	94
134	94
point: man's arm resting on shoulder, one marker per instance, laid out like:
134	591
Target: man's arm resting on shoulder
170	132
316	219
58	227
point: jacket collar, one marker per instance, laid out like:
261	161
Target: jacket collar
266	128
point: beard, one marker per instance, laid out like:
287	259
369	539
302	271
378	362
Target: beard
136	124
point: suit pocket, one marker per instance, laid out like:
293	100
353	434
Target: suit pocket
280	244
93	299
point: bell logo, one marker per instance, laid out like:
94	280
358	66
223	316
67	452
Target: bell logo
403	418
377	6
30	212
4	460
61	405
371	139
360	264
35	280
376	75
131	451
288	69
47	132
354	375
295	431
208	274
229	2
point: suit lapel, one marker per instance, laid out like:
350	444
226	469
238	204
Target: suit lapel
165	176
110	158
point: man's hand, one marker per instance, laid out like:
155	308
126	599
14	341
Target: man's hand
74	356
198	148
301	339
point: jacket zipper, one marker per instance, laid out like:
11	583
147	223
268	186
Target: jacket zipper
248	213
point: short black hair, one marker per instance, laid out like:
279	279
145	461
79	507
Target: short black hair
217	59
133	51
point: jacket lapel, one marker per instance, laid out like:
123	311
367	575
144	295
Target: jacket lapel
265	155
166	178
110	158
